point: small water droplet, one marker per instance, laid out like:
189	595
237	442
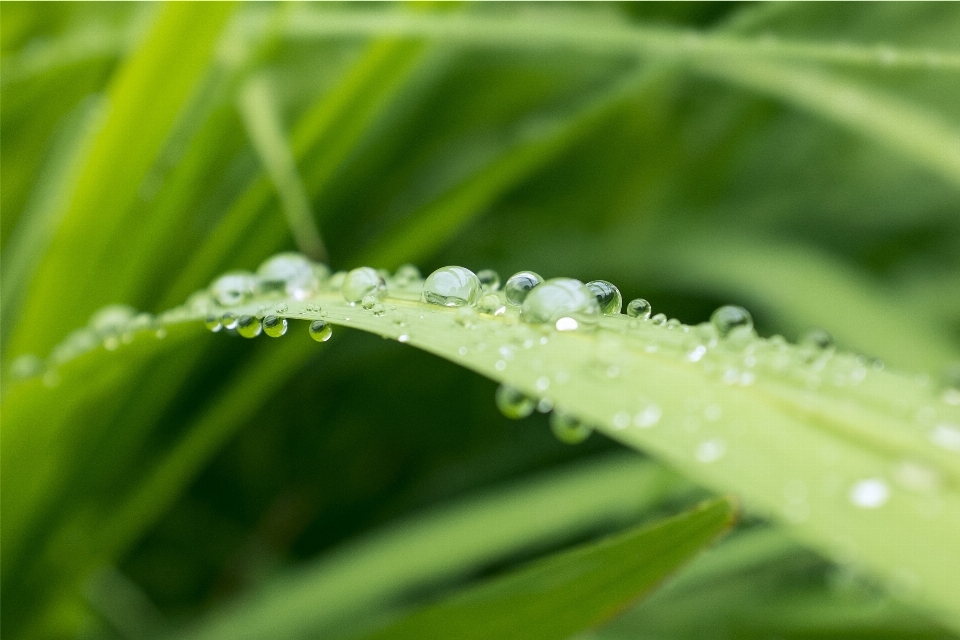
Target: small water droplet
212	323
608	296
489	280
818	339
711	450
452	287
407	275
229	321
282	307
731	318
291	273
403	337
362	282
564	302
519	285
639	308
648	416
543	383
658	319
233	288
248	326
465	317
369	301
320	330
946	436
274	326
567	428
513	403
870	493
491	304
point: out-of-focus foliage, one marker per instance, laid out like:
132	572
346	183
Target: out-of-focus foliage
800	159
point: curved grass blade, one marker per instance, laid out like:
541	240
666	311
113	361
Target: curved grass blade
860	463
572	590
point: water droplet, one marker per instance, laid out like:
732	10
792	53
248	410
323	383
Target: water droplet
369	301
639	308
113	318
282	307
233	288
608	296
274	326
567	428
658	319
731	318
870	493
291	273
403	338
407	275
362	282
229	321
564	302
519	285
248	326
320	330
946	436
452	287
492	304
465	317
648	416
513	403
213	323
711	450
489	279
818	339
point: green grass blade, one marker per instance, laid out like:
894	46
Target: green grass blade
445	543
572	590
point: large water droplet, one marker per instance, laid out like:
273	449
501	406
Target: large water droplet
563	302
513	403
362	282
519	285
274	326
248	326
871	493
320	330
233	288
639	308
731	318
489	279
291	273
608	296
452	287
567	428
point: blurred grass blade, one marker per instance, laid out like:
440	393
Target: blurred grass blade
447	543
572	590
264	128
144	100
606	36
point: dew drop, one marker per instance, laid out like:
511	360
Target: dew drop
228	320
946	436
274	326
452	287
608	296
658	319
465	317
113	318
362	282
491	304
320	330
871	493
513	403
369	301
710	450
212	323
519	285
233	288
489	280
649	416
639	308
818	339
291	273
567	428
248	326
407	275
282	307
564	302
730	318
